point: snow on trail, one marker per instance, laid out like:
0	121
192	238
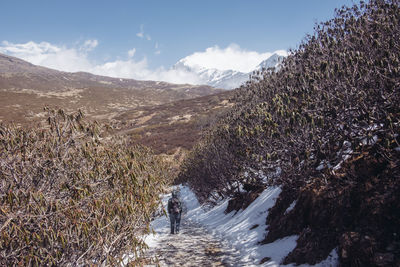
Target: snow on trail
193	246
209	237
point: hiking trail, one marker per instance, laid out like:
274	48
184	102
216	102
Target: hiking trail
211	237
193	246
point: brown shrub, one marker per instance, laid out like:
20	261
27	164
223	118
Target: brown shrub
71	195
326	128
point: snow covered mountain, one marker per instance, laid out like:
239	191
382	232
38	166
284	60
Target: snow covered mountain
272	62
226	79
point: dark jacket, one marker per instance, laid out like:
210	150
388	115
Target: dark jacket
174	205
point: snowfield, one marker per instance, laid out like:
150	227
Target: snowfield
242	230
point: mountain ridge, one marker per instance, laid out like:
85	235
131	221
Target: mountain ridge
19	66
26	88
227	79
166	117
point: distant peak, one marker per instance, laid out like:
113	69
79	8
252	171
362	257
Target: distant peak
282	53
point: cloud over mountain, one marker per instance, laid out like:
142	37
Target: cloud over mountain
205	67
52	56
230	58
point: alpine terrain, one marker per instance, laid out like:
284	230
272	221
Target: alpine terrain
227	79
298	164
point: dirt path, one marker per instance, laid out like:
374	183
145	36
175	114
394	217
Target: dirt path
193	246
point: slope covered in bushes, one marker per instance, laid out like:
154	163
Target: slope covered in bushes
69	195
326	128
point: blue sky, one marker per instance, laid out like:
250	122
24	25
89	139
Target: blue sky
158	33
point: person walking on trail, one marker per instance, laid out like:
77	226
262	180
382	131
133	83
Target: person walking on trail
174	211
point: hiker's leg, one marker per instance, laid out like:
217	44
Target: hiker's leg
178	222
172	219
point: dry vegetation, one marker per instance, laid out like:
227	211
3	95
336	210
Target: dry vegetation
71	195
169	127
326	128
25	89
166	117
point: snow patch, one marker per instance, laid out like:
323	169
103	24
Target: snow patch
323	164
242	230
370	141
291	207
278	250
235	228
105	82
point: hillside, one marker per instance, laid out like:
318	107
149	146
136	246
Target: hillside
155	114
25	89
325	130
300	165
76	190
173	126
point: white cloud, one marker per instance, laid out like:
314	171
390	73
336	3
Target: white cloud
122	69
89	45
141	34
175	76
49	55
139	70
29	48
158	51
76	58
230	58
131	52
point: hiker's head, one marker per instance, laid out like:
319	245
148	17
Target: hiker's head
174	193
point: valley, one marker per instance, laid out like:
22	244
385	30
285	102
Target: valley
297	165
166	117
25	89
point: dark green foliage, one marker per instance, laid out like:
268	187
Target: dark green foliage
70	196
335	99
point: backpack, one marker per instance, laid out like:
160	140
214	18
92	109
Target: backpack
175	205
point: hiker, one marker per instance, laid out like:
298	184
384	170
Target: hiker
174	211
